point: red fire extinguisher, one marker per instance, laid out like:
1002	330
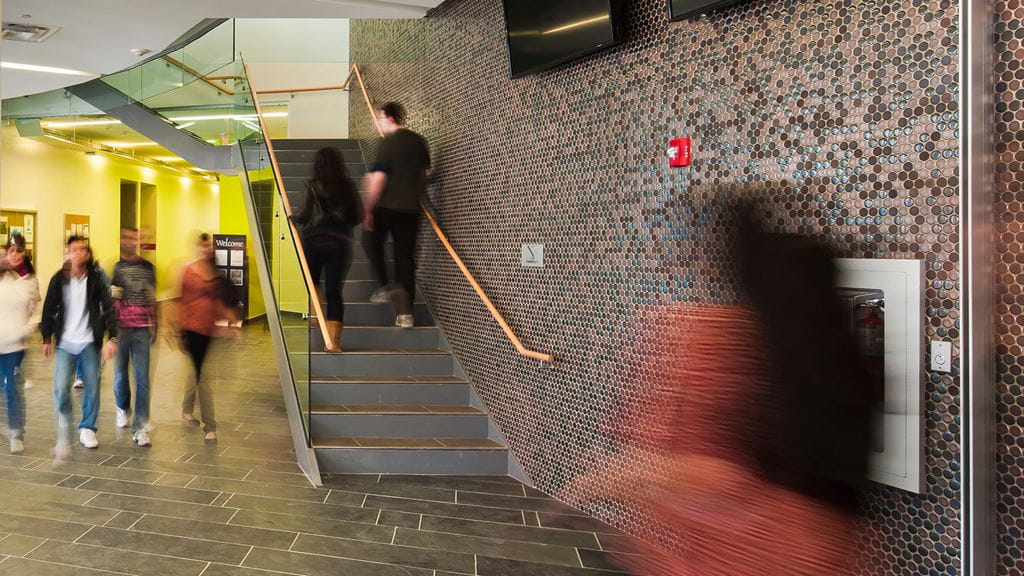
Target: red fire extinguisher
870	327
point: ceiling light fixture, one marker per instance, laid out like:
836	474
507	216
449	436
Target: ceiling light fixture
78	123
44	69
250	117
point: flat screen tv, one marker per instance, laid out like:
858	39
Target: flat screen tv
682	9
543	34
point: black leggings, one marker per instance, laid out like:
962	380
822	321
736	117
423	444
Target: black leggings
333	258
196	345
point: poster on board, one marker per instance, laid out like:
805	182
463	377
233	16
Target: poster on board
234	266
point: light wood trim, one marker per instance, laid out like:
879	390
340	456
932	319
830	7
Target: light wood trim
366	97
297	90
480	292
314	294
196	73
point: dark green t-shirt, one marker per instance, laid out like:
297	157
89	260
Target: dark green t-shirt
404	157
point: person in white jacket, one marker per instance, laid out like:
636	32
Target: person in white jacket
19	295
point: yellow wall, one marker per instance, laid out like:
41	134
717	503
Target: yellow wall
54	180
234	220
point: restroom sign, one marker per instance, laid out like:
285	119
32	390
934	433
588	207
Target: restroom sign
533	255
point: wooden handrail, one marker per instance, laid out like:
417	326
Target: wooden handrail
297	90
193	72
451	250
483	296
314	293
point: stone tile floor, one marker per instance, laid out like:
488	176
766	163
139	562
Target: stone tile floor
241	507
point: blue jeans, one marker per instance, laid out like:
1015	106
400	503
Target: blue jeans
133	344
64	372
13	388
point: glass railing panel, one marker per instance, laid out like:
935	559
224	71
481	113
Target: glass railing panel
282	252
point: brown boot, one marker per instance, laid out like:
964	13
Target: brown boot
334	333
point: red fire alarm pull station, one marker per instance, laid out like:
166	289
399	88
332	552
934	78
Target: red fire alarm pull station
679	152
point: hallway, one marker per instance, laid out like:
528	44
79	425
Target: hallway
240	507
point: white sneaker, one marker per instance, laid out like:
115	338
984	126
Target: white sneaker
122	418
142	438
62	451
381	296
78	383
17	446
404	321
88	438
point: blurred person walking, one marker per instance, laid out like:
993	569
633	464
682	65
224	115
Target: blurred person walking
331	207
20	296
133	290
396	181
79	379
206	297
77	313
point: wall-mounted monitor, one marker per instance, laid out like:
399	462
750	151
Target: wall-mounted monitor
543	34
682	9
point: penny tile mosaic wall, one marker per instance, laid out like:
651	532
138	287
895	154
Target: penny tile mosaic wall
842	113
1009	211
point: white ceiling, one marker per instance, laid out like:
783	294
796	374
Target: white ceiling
97	35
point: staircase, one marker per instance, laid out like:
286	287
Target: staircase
395	401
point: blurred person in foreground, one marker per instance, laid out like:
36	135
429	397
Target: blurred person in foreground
330	208
19	296
133	290
757	428
77	313
206	299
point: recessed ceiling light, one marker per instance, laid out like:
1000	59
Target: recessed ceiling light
44	69
140	51
80	123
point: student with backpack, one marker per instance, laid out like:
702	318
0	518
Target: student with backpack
331	207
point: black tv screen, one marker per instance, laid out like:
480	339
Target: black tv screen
680	9
543	34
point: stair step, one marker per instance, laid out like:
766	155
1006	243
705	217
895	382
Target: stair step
399	443
380	409
381	337
390	379
314	143
307	156
398	425
366	314
432	460
326	393
432	362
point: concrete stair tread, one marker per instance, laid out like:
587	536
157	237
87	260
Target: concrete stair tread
409	443
378	409
385	352
389	379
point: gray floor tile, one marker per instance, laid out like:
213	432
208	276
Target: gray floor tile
109	472
17	491
59	511
18	545
506	532
298	508
323	526
585	524
26	567
229	533
518	503
225	570
176	480
122	561
486	566
258	489
149	543
483	484
185	468
387	553
497	548
123	520
599	560
285	478
191	495
368	484
162	507
442	509
312	565
403	519
41	527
